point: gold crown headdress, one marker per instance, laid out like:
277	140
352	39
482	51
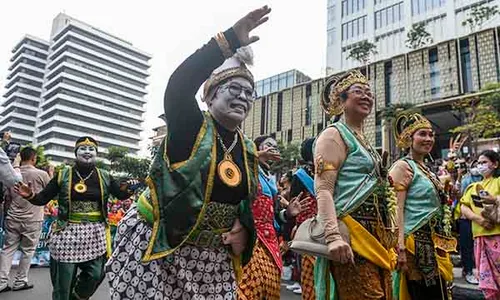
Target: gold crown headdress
331	102
86	142
406	125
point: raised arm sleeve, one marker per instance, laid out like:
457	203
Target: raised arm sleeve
184	118
329	155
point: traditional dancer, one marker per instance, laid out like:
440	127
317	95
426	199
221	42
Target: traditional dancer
351	188
303	185
193	223
262	276
424	216
80	238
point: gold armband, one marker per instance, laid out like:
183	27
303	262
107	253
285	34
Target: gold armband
399	187
223	45
323	166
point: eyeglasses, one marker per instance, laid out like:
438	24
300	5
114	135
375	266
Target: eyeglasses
235	90
361	92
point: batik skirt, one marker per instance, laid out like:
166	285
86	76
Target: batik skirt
487	254
191	272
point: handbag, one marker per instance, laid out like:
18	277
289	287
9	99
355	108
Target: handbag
310	238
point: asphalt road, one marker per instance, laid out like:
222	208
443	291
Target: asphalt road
40	277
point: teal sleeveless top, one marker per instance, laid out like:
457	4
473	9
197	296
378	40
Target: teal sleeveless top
422	200
357	176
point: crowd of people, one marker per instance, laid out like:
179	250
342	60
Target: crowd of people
215	222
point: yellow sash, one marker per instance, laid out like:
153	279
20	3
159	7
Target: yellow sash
445	267
366	245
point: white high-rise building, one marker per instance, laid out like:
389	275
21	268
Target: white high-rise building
387	22
95	85
23	88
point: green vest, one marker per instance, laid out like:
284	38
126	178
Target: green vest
64	201
357	177
177	196
422	200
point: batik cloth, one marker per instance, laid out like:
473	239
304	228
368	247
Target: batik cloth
78	242
307	277
261	277
191	272
487	254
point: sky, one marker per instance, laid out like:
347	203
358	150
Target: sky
293	38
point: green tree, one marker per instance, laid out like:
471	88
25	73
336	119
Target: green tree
121	162
290	154
480	115
418	37
362	52
478	15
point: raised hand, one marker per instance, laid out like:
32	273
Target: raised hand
298	205
23	190
269	155
252	20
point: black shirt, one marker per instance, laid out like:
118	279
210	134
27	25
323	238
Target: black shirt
184	118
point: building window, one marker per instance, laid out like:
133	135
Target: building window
354	28
378	133
389	15
263	110
435	73
422	6
388	83
331	36
308	110
352	6
466	66
289	136
279	115
331	17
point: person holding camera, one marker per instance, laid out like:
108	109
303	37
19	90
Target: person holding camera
8	176
485	230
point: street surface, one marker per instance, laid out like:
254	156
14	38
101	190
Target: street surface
40	277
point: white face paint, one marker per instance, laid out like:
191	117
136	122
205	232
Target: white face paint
86	154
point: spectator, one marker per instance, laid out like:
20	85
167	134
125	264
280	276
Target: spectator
8	176
22	225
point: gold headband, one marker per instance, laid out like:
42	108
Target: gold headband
216	79
415	122
86	142
330	98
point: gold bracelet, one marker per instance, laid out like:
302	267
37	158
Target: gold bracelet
223	45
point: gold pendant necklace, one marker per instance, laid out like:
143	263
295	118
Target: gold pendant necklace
81	187
228	171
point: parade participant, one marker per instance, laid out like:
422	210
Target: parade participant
424	216
261	276
22	225
351	188
486	232
80	238
303	178
193	223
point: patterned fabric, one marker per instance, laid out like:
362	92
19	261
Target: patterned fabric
78	242
307	277
85	206
261	278
191	272
487	254
363	280
263	214
425	259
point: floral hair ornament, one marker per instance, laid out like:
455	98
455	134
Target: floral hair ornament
406	125
331	101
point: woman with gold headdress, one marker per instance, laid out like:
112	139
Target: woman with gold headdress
352	194
424	216
193	226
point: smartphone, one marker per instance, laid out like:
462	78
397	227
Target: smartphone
12	150
478	202
483	193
